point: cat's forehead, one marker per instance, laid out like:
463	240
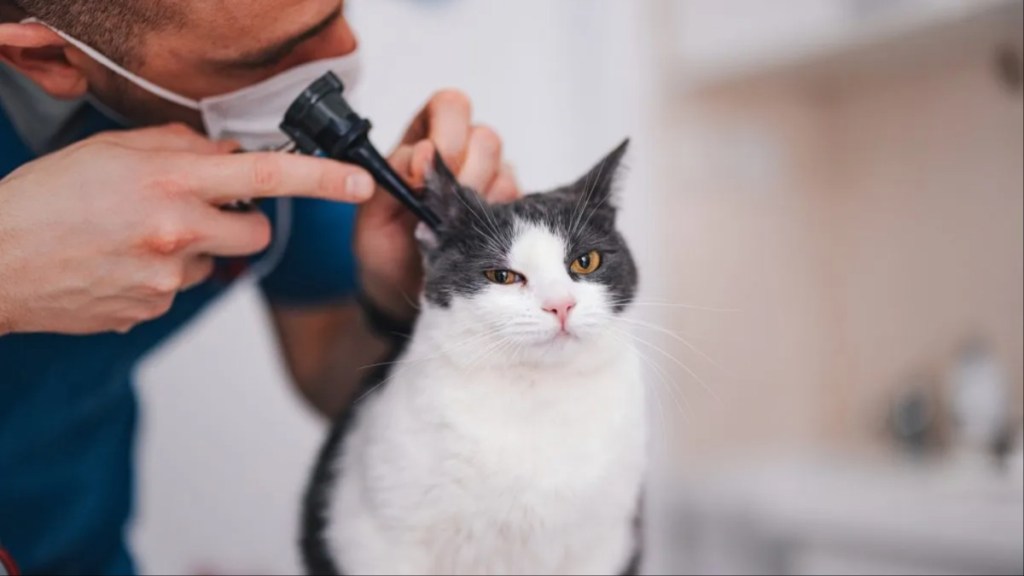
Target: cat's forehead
536	248
558	212
548	208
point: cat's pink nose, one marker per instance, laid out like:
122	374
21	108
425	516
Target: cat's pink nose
560	309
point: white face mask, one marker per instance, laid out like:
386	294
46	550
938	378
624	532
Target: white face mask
250	115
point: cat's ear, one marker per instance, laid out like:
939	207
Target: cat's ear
446	198
597	186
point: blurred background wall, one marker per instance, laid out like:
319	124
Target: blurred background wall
825	197
853	187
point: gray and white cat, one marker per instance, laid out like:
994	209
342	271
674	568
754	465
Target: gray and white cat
509	436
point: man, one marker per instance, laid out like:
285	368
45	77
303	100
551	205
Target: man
112	239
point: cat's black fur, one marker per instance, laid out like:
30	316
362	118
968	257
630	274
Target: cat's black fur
316	553
473	237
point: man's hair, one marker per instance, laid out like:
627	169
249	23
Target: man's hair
114	27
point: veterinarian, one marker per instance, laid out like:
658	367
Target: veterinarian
118	119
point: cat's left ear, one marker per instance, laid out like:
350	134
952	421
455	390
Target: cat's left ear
597	186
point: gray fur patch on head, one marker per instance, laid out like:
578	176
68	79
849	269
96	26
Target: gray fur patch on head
475	236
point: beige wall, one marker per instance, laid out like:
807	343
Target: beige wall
927	207
861	230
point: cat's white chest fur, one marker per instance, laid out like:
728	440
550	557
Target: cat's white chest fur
511	471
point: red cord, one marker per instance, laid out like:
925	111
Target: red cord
7	563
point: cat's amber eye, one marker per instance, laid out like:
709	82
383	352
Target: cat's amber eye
587	263
503	276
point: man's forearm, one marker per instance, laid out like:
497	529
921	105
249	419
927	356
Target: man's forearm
329	352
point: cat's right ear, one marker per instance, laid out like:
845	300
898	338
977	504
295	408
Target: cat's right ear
440	192
446	198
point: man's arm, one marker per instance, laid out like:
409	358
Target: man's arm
329	349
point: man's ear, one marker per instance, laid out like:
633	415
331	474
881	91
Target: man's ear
41	54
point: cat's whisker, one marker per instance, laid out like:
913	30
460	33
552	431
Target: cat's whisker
673	335
444	351
671	357
670	385
593	210
447	350
438	354
664	427
665	380
671	305
489	352
657	388
493	224
414	302
366	367
661	415
578	226
580	200
493	242
589	184
519	349
485	352
589	190
371	390
493	237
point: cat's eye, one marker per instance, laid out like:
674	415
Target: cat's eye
586	263
504	276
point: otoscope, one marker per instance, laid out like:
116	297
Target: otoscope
321	123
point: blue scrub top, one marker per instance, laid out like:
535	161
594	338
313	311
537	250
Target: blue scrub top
68	411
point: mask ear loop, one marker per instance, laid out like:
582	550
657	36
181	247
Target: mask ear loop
116	68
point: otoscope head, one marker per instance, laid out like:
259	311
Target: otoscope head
321	122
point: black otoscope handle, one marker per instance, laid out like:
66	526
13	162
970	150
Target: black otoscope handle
368	157
321	122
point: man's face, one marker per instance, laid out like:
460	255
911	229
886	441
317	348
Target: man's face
222	46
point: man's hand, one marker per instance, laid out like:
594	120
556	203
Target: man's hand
390	263
103	234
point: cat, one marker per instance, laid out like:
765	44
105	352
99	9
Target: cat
509	436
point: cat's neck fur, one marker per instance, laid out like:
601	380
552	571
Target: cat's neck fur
479	384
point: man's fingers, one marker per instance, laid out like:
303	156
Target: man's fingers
422	162
445	120
231	233
450	117
483	159
170	138
197	269
401	161
228	146
505	187
224	178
